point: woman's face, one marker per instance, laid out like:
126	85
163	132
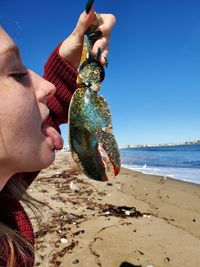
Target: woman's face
26	144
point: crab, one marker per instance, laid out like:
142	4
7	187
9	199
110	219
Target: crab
90	123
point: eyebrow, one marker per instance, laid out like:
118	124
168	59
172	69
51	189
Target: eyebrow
12	48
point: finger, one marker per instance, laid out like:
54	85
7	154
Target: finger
104	56
109	21
101	43
85	20
105	52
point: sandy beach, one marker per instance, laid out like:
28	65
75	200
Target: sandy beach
132	220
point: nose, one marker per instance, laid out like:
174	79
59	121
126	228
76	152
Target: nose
43	89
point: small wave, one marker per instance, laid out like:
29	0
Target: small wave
184	174
193	163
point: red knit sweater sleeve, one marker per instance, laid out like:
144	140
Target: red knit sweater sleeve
63	76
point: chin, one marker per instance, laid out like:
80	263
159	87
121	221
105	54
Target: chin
41	162
48	160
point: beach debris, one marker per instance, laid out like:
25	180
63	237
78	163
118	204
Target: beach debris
40	233
128	264
102	194
90	122
61	253
69	218
94	252
118	211
167	259
146	215
75	261
126	223
58	174
74	187
78	233
163	179
127	212
122	211
141	253
64	240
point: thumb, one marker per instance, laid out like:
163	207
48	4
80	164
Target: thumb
85	20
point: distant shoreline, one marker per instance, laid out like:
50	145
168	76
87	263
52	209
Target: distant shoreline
162	145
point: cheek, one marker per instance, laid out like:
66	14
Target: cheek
19	119
19	132
22	144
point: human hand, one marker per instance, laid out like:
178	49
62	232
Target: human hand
71	48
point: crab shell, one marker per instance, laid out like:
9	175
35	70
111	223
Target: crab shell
90	124
90	127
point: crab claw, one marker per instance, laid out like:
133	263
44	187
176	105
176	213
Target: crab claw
85	152
109	144
90	126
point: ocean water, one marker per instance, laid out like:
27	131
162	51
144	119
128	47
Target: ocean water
180	162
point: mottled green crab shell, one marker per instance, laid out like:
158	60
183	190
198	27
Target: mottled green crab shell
90	124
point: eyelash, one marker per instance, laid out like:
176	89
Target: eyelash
19	76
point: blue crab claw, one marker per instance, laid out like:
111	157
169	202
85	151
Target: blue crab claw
90	126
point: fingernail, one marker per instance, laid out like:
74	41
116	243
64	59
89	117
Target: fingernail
106	62
88	6
98	53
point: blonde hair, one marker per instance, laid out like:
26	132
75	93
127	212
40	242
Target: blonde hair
13	246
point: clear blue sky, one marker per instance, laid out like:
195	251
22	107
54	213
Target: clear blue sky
153	80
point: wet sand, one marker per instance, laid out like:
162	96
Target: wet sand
133	220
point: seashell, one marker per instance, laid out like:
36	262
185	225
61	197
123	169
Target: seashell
127	212
74	187
64	240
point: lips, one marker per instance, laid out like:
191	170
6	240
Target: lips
53	135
